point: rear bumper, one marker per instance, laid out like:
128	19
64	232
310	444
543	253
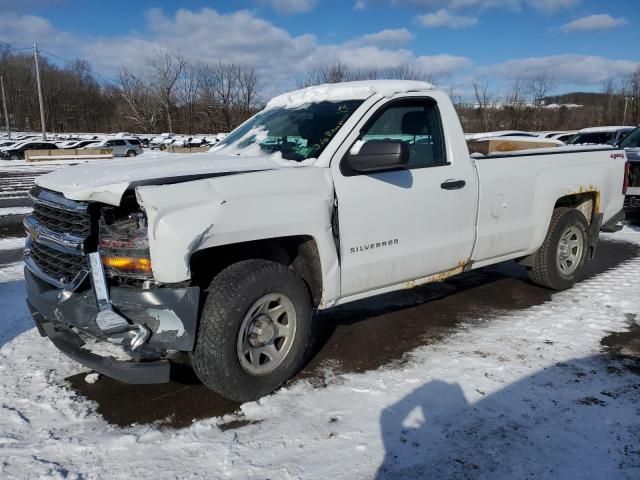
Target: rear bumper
632	201
70	343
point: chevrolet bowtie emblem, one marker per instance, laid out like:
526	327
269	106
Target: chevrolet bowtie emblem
34	233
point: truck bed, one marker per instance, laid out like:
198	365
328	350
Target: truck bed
518	191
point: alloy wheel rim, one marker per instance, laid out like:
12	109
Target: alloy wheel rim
266	334
570	249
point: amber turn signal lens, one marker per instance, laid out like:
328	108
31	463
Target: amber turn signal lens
128	264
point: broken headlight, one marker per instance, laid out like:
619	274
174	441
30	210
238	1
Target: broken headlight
124	244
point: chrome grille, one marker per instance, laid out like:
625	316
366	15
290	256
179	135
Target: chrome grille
61	266
58	232
59	220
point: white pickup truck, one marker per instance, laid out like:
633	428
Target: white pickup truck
330	194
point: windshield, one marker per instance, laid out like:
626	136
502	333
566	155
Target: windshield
290	133
632	140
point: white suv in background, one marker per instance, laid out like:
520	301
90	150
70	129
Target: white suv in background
121	147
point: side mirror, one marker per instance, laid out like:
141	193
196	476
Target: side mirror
376	156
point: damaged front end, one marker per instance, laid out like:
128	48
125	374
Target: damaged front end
89	276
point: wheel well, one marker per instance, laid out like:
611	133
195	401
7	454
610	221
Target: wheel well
588	203
299	253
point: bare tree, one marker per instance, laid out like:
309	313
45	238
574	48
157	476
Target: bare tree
143	105
166	69
484	102
515	107
337	71
187	91
539	87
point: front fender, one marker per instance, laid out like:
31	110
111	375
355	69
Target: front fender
191	216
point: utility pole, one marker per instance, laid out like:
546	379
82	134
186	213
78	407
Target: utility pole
624	117
4	105
44	128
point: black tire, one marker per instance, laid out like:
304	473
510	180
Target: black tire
15	156
231	294
546	271
131	153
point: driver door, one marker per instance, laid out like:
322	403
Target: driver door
402	225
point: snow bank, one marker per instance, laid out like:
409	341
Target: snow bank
15	211
11	243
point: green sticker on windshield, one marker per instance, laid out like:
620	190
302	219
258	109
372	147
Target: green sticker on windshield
343	109
304	151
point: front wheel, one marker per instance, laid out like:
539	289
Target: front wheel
560	260
255	330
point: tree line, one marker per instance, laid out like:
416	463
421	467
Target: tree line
167	92
529	105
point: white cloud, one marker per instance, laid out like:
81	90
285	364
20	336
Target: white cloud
279	57
22	30
442	65
360	5
393	36
593	22
443	19
551	6
548	6
290	7
587	70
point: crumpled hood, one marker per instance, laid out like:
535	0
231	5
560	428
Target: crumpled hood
106	181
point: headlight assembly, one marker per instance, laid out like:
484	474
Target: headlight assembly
124	244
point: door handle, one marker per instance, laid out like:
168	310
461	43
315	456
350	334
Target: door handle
453	184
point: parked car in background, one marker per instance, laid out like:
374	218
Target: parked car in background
159	142
564	137
631	145
76	144
600	136
121	147
16	152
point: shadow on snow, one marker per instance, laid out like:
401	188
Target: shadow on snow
572	420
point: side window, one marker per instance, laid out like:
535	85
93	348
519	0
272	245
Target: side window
119	143
415	122
110	143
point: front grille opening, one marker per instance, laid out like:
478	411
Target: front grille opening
61	266
63	221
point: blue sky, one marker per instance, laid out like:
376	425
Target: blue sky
580	43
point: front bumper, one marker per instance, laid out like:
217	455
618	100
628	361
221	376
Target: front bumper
70	343
169	314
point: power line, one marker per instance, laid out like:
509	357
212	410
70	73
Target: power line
69	62
7	48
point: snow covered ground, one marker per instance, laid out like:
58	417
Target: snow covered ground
526	393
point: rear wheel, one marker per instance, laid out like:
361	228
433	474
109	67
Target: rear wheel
131	153
15	156
560	260
255	330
